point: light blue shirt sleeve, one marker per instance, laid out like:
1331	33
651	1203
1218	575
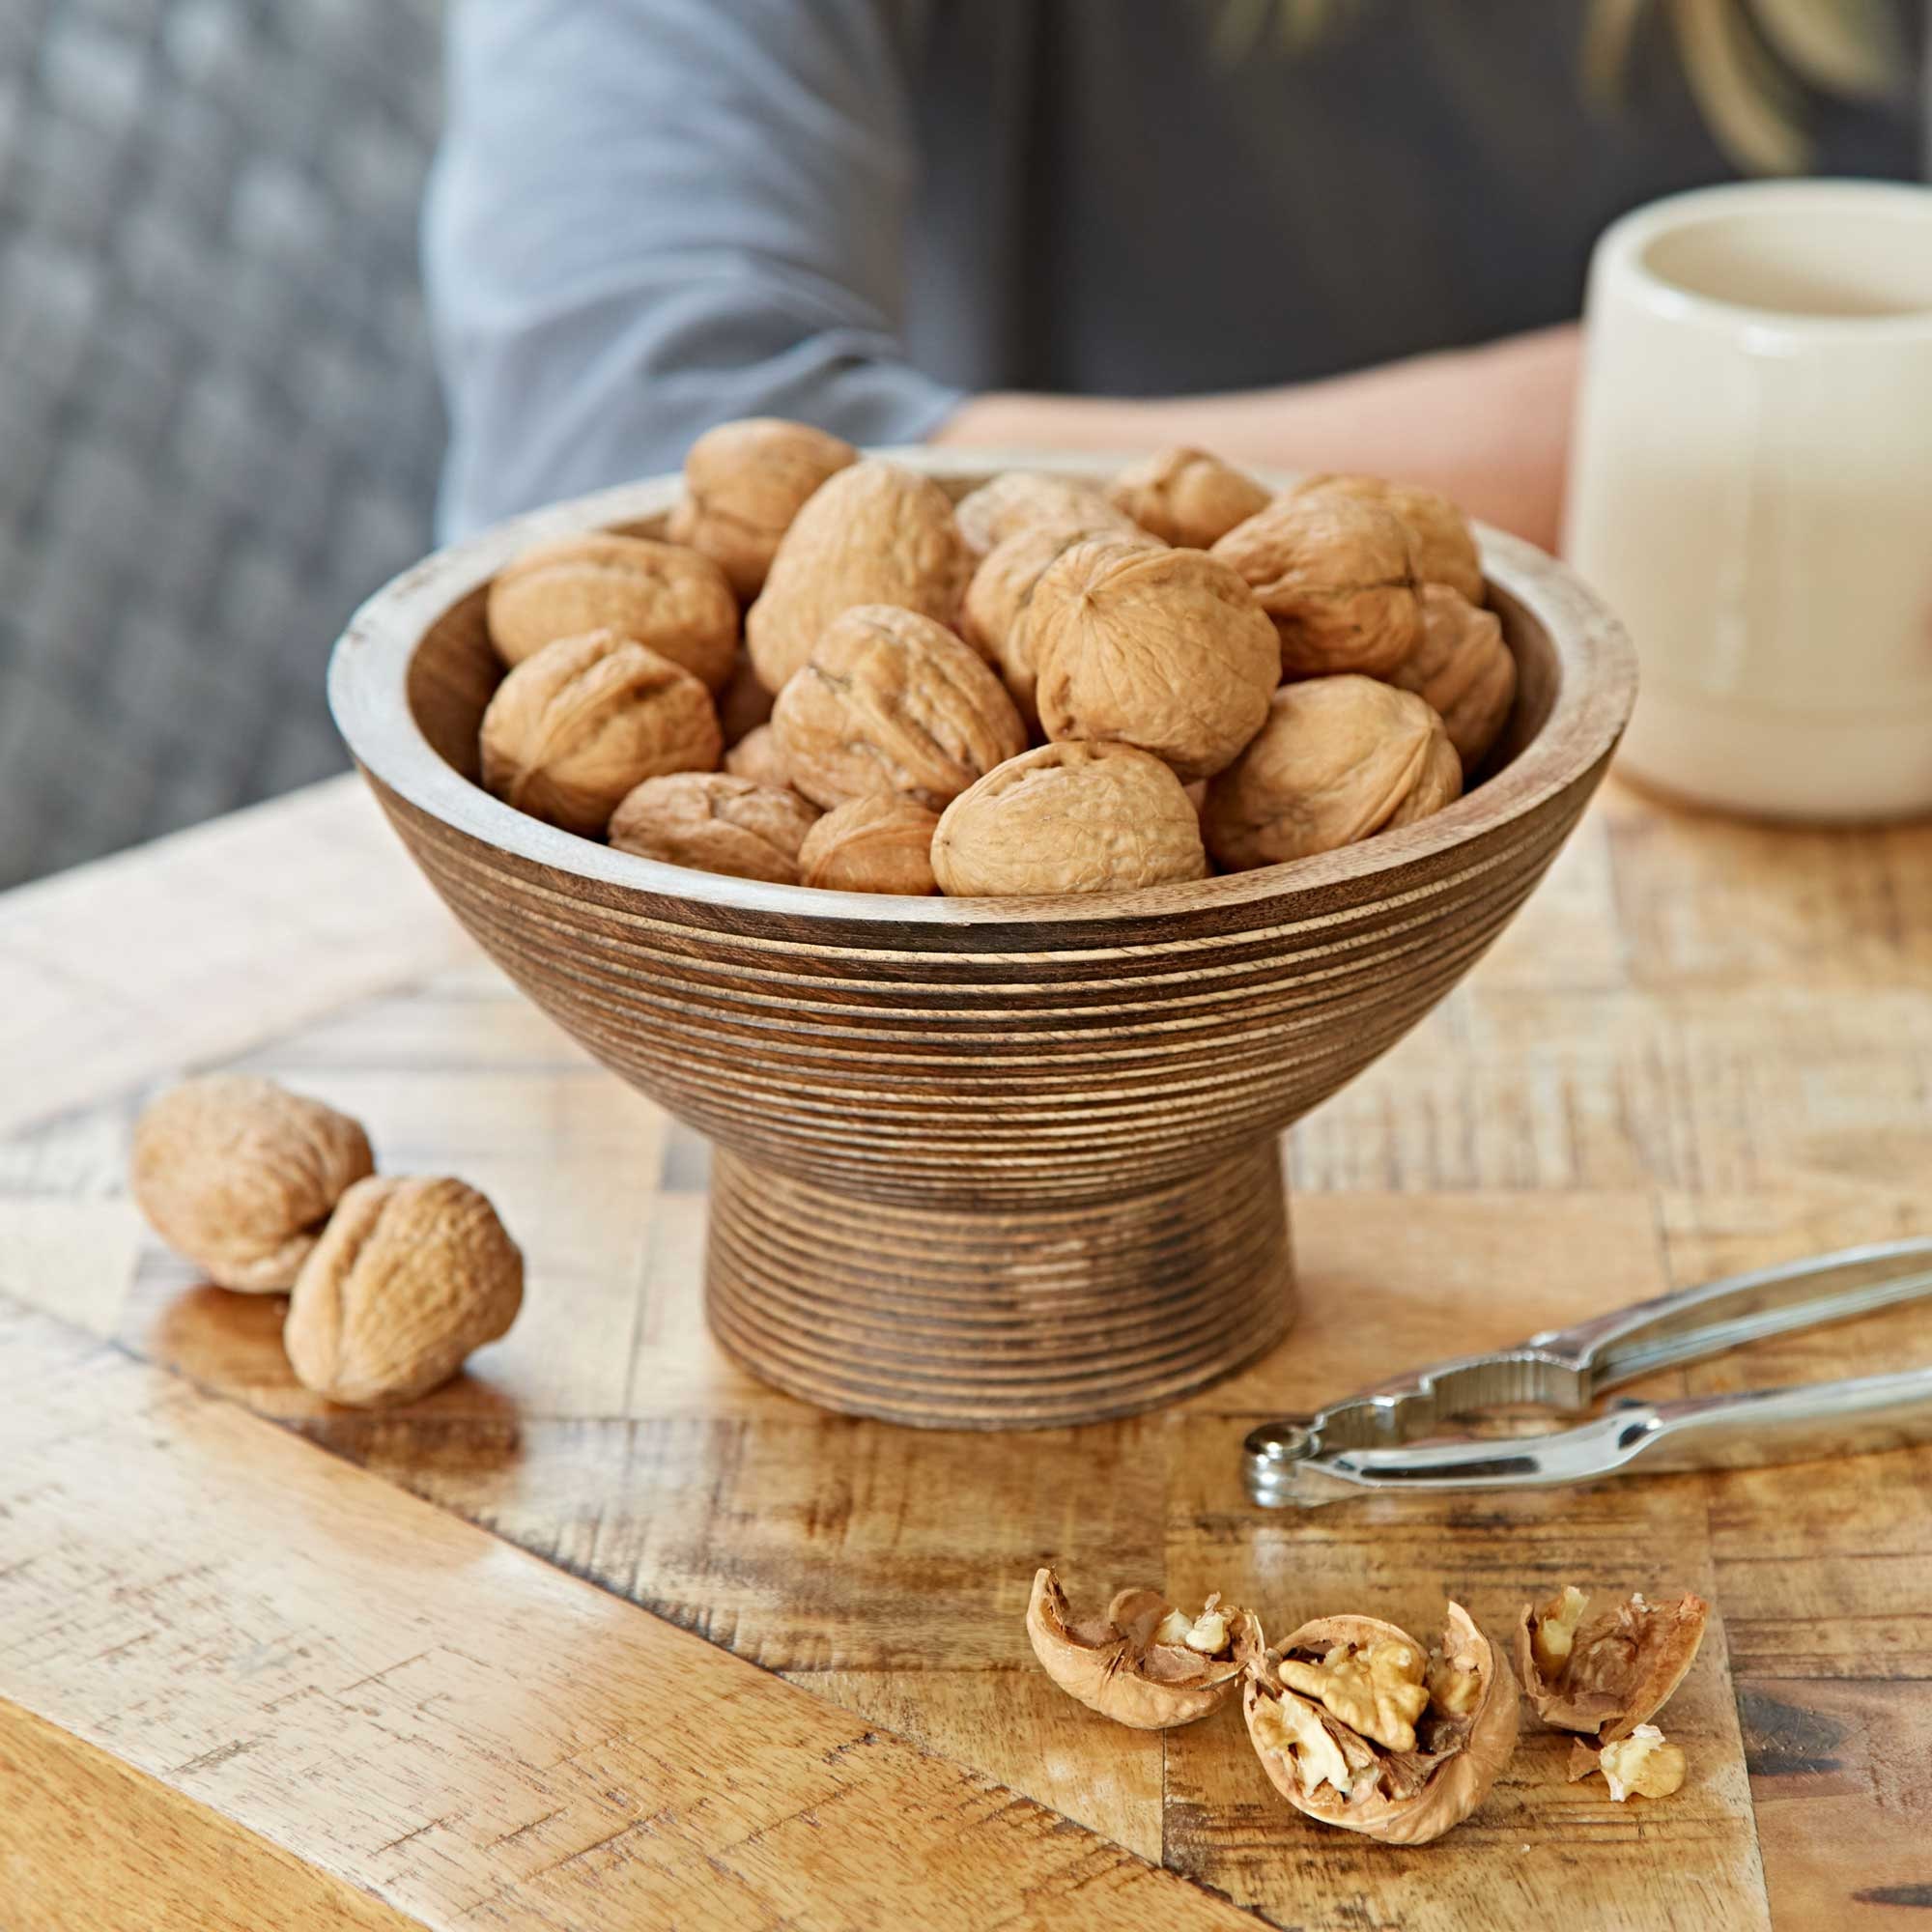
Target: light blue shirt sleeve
648	216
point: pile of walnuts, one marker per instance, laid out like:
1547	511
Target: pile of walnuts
1357	1723
1046	688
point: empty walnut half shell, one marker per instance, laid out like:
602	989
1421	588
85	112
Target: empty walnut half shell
1146	1662
1359	1725
1606	1675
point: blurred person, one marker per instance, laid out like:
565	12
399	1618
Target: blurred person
1315	234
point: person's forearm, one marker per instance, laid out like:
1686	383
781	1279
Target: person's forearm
1489	427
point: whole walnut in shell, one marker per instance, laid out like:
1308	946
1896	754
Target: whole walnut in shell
1340	758
1606	1675
874	533
658	594
1338	577
1186	497
576	727
744	704
408	1279
756	756
1463	671
1146	1662
997	616
892	702
743	482
871	846
1357	1726
1165	649
716	823
240	1175
1439	533
1022	499
1076	817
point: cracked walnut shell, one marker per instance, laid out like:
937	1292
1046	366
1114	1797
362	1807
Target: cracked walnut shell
240	1175
1606	1675
1076	817
1186	497
873	533
1026	499
408	1279
716	823
1145	1663
575	727
657	594
1165	649
1339	758
871	846
1356	1726
743	482
1338	577
1463	669
892	702
1439	533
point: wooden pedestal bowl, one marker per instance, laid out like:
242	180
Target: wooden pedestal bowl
981	1163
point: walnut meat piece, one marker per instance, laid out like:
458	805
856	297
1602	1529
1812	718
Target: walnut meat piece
872	846
240	1175
1644	1765
1606	1675
1463	669
1439	533
1339	758
1186	497
874	533
756	756
893	703
1146	1663
409	1277
1355	1724
743	482
716	823
1021	500
1165	649
1076	817
1337	576
658	594
576	727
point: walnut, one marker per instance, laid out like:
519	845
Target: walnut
1439	533
1339	758
996	619
874	533
744	704
892	702
756	756
1463	669
1644	1765
1076	817
716	823
1356	1726
871	846
240	1175
1020	500
743	482
1145	1663
576	727
1337	576
1186	497
658	594
408	1278
1606	1675
1166	649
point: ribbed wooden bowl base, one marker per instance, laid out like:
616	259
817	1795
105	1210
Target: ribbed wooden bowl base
999	1320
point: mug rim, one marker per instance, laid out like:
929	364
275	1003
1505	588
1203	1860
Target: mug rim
1621	249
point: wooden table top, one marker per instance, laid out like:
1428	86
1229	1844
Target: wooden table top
607	1634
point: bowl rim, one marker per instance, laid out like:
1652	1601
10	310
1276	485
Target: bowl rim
368	695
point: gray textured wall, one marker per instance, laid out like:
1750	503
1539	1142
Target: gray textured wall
219	428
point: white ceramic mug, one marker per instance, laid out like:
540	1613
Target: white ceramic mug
1751	489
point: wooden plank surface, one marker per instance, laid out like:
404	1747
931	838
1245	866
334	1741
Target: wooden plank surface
1703	1047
